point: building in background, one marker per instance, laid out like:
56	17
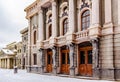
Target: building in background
24	58
8	56
74	37
19	54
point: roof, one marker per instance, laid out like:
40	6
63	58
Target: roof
24	30
7	51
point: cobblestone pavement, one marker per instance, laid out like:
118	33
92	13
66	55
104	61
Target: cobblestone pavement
7	75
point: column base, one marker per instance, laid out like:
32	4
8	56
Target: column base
108	74
41	70
72	72
117	74
28	69
55	70
96	73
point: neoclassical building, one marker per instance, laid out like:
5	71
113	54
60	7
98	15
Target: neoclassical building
19	54
78	38
24	50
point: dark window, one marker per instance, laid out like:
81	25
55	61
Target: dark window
82	57
49	58
63	58
35	59
24	48
85	20
65	26
89	57
68	58
35	37
50	31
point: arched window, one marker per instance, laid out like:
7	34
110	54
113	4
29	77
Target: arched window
50	31
65	26
35	38
85	22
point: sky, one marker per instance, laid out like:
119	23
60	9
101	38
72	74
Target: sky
12	20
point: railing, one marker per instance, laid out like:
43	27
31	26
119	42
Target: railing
61	39
46	42
82	34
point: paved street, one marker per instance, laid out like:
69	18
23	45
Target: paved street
7	75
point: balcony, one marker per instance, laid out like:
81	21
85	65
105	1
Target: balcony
61	40
81	36
46	43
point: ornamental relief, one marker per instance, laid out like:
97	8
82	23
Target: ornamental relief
64	9
85	3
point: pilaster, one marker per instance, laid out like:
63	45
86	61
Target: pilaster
54	19
95	24
71	16
29	45
40	27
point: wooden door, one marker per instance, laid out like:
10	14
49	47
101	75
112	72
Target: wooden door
65	61
85	61
49	61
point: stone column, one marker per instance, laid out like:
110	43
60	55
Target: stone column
54	60
108	17
94	30
5	63
71	56
41	60
95	13
71	16
8	63
118	12
29	46
95	58
54	19
40	27
0	63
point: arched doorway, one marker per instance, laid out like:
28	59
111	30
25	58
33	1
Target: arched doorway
65	60
85	59
49	61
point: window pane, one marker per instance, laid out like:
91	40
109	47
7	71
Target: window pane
89	57
68	58
85	20
63	58
65	26
82	57
48	59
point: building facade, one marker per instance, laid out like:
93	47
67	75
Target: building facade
19	54
74	37
8	56
24	59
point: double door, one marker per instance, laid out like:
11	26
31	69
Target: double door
85	61
49	61
65	61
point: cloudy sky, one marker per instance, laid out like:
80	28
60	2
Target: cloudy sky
12	20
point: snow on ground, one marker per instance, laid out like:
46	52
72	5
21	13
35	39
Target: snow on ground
7	75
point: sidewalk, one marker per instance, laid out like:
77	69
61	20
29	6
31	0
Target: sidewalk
7	75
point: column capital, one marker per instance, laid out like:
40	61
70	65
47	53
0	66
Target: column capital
53	3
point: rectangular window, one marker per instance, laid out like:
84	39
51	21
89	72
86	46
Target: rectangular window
63	58
89	57
35	59
82	57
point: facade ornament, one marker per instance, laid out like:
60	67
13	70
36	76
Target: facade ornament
41	56
71	55
54	56
85	3
95	52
